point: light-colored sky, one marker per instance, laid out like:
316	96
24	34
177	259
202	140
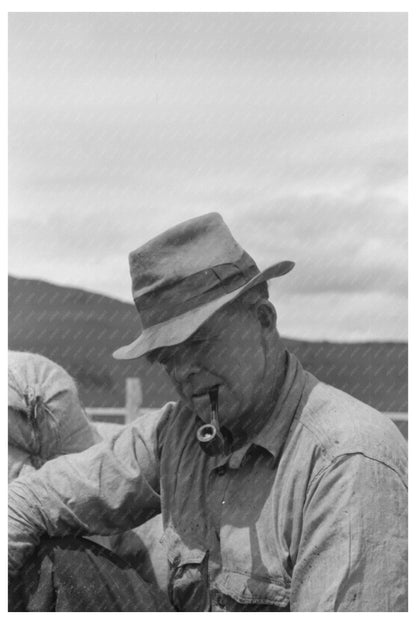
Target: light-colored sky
293	126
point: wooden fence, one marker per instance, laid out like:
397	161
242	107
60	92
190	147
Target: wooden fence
122	415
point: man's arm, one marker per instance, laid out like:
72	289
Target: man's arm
110	487
353	550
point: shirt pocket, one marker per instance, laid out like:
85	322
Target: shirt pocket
242	592
188	585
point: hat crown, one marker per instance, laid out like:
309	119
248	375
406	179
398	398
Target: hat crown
185	249
183	276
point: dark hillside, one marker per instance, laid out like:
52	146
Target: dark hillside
80	330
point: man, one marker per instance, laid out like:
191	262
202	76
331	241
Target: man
278	492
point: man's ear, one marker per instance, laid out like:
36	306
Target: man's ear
266	314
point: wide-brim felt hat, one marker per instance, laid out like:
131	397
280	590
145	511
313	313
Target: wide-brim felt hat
183	276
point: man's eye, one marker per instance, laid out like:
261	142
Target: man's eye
155	356
164	360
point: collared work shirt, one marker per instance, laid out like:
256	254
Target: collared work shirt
310	516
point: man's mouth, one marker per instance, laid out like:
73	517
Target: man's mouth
201	401
200	392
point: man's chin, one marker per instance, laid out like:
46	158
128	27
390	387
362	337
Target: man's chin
201	405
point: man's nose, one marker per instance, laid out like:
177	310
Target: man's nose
183	365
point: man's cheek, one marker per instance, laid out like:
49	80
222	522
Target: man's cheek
228	400
180	390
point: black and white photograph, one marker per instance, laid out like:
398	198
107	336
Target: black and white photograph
207	311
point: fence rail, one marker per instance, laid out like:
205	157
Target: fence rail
128	413
398	416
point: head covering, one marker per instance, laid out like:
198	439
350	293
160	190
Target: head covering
184	275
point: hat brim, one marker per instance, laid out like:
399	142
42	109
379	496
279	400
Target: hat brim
179	328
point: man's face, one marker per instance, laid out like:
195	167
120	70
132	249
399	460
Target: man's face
228	351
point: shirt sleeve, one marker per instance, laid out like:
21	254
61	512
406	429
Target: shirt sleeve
353	549
111	487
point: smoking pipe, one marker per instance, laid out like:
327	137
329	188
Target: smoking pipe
209	435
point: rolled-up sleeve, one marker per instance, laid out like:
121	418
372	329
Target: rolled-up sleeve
352	554
110	487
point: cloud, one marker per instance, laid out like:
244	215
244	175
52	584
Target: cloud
340	244
341	316
293	126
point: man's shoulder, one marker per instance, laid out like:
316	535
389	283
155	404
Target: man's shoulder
338	424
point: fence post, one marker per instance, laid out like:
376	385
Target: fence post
134	398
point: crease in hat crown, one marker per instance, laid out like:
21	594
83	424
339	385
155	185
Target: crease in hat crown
181	251
182	276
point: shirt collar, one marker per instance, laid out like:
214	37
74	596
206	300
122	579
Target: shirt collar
274	433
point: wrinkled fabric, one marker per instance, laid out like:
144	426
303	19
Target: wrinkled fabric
19	462
142	545
75	574
45	416
310	516
46	419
